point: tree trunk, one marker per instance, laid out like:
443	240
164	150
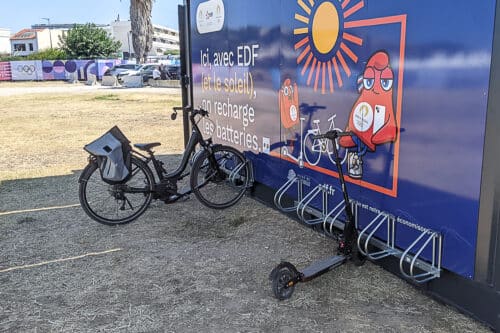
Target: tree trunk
142	28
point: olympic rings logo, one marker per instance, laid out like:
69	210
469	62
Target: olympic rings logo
28	69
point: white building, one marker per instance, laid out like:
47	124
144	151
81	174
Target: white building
4	41
42	36
28	41
164	39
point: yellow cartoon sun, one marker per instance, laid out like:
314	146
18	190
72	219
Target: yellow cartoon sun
323	42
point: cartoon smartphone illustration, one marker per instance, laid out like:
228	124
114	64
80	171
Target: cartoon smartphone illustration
379	120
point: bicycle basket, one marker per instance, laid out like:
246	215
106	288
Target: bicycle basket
113	153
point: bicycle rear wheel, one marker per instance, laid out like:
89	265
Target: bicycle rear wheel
312	149
120	203
219	180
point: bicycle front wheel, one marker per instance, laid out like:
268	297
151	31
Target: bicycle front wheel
341	150
116	204
220	179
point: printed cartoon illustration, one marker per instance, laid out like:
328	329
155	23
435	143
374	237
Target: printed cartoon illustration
289	111
372	116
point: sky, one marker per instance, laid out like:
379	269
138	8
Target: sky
19	14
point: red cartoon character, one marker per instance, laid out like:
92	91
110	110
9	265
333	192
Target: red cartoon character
289	104
289	110
372	116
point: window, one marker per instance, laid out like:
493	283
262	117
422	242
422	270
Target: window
31	46
20	47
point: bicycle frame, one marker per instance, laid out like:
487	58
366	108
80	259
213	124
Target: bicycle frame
195	138
322	145
323	148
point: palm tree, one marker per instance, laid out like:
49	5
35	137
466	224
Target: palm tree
142	28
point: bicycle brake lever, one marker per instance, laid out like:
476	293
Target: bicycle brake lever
173	116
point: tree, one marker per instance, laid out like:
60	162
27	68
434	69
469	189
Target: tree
172	52
88	41
47	54
142	28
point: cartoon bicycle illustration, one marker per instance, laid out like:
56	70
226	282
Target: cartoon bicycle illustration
315	148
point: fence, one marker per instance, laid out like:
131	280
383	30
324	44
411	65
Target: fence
43	70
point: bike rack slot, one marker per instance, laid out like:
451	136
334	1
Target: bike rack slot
303	205
381	218
332	221
292	179
234	174
435	268
408	262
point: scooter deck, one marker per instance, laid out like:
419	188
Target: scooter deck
321	267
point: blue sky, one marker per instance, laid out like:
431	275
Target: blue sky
19	14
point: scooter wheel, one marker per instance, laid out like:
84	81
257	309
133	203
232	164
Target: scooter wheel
357	258
281	276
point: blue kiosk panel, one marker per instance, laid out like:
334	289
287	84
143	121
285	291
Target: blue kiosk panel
409	79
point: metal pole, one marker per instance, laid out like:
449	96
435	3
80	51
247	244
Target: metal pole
50	32
128	41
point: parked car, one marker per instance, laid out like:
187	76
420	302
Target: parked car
146	71
116	70
172	72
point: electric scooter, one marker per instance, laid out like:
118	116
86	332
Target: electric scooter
285	276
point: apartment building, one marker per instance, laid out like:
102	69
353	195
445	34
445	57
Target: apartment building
4	41
43	36
164	39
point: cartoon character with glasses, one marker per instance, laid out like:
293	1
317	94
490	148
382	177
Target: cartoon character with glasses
372	116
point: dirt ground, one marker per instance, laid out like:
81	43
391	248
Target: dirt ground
179	268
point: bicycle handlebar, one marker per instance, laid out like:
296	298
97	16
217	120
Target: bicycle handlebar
332	135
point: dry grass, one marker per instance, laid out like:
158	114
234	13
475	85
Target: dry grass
182	267
43	134
23	84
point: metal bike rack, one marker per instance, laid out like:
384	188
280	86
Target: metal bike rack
331	219
292	179
374	225
411	262
235	173
408	262
304	205
429	271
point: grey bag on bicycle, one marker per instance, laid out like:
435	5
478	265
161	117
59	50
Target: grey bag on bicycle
112	151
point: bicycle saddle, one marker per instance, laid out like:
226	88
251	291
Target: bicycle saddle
146	146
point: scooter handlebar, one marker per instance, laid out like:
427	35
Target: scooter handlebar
332	135
194	112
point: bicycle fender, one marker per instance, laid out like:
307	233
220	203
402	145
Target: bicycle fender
80	179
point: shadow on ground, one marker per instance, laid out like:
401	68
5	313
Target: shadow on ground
186	268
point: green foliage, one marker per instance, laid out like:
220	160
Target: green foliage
52	54
8	57
88	41
172	52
